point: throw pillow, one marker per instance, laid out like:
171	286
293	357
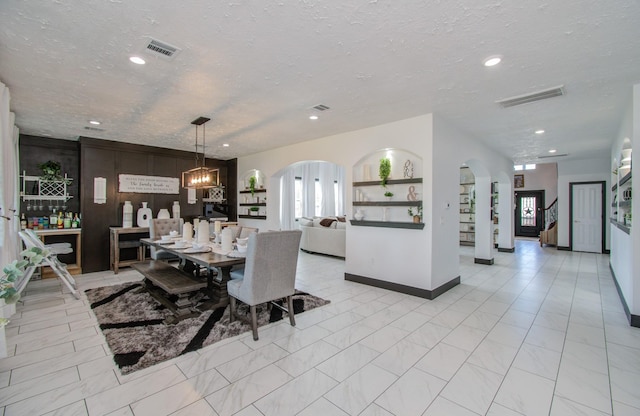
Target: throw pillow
305	222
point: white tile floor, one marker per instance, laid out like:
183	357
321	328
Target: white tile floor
540	332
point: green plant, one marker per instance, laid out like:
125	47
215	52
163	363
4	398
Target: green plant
418	211
51	171
252	184
254	209
384	171
14	270
388	194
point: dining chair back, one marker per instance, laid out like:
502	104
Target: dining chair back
269	273
159	227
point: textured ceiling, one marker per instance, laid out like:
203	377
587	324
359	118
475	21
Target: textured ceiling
257	67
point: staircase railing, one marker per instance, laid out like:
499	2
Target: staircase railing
551	213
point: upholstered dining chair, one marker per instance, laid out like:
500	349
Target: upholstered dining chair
159	227
269	274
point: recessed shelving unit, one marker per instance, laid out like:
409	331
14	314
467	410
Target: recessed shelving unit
621	197
467	208
256	198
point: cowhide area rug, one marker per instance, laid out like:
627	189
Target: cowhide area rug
132	322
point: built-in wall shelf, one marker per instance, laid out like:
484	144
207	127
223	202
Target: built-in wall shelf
388	224
389	182
253	217
255	204
621	226
388	203
257	191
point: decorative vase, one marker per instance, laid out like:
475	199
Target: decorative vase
176	209
144	215
359	215
416	219
163	214
127	215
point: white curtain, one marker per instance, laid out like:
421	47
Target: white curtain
288	200
340	197
309	189
326	174
9	199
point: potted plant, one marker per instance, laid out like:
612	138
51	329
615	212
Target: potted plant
417	215
384	171
51	171
252	184
254	210
11	272
388	195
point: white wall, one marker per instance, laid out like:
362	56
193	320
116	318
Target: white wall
422	259
588	170
543	177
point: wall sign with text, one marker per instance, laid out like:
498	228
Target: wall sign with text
141	184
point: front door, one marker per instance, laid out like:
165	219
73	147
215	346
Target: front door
586	217
529	213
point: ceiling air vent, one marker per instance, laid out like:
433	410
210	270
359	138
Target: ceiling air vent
320	107
549	156
93	128
161	48
529	98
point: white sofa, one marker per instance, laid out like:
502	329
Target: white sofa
317	238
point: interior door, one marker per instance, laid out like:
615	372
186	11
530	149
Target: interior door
586	213
529	213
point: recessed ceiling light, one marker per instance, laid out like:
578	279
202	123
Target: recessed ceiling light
313	117
94	122
539	131
493	60
225	145
137	60
552	151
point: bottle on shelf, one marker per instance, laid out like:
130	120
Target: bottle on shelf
60	220
75	222
23	222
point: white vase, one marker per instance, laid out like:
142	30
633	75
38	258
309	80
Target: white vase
359	215
127	215
176	209
163	214
144	215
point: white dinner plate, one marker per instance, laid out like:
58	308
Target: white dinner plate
197	250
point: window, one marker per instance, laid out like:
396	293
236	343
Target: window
518	167
530	166
528	211
298	192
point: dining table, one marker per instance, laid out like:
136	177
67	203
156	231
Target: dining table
211	259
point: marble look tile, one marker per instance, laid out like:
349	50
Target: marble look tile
295	395
580	385
444	407
368	309
507	334
623	357
21	391
200	408
348	361
585	334
375	410
449	318
411	394
481	320
312	317
494	307
248	363
627	336
123	411
51	338
301	361
349	335
432	308
473	388
74	409
355	393
322	407
383	339
245	391
538	360
410	321
465	337
552	321
179	395
381	319
399	358
499	410
518	318
66	395
493	356
565	407
53	365
25	359
111	399
621	409
547	338
247	411
624	386
341	321
209	358
526	393
302	338
586	356
428	335
442	361
62	320
95	367
5	376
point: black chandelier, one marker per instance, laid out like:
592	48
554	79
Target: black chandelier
200	177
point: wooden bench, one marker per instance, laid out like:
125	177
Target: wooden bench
165	282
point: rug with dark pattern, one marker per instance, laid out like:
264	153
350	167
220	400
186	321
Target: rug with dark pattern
132	322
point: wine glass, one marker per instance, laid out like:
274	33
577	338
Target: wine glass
29	205
40	205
